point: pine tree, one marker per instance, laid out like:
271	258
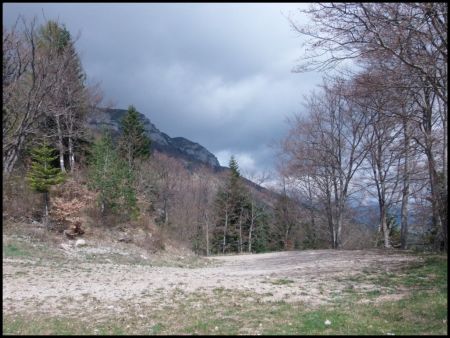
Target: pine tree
133	142
232	210
42	174
261	237
111	176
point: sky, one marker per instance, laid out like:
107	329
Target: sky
215	73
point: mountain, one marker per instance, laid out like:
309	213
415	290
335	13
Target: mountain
180	147
192	154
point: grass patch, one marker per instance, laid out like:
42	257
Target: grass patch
157	328
281	281
15	250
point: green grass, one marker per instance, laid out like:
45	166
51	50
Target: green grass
14	250
422	310
281	281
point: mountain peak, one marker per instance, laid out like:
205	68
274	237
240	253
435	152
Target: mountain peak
178	146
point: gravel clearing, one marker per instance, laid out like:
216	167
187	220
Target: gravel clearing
311	276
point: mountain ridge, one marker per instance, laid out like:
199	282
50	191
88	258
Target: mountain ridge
181	147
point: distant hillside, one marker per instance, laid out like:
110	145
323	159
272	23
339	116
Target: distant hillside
180	147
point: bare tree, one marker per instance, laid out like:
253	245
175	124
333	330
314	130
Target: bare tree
410	41
327	145
255	212
43	89
26	86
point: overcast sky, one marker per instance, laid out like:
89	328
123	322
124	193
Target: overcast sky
217	74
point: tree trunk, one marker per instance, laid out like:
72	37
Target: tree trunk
405	191
207	233
338	230
330	225
60	145
286	238
435	198
225	232
251	229
71	155
166	213
404	215
384	226
9	159
240	230
11	154
313	229
46	208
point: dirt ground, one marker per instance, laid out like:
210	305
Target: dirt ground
311	276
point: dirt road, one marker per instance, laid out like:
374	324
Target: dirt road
311	276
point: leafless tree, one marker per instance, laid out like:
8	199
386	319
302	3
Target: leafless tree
255	212
409	41
26	86
43	81
327	145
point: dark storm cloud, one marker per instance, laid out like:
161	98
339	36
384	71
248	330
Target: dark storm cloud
218	74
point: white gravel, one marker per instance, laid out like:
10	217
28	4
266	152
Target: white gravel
309	276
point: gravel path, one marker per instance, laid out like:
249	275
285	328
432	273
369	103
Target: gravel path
311	276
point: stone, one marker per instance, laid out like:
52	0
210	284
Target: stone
80	242
125	239
65	246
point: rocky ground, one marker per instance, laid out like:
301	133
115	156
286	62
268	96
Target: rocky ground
100	279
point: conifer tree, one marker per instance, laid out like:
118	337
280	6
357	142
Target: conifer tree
42	174
232	209
111	176
133	142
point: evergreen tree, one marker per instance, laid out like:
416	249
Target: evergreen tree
111	176
261	237
42	174
133	142
232	209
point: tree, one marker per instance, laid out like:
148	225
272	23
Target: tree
133	143
44	94
257	216
327	146
383	143
42	175
409	42
69	99
52	41
112	178
415	34
25	88
232	209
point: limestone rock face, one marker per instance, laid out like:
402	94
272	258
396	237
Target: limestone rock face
178	146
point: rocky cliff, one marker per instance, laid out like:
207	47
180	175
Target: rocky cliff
179	147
